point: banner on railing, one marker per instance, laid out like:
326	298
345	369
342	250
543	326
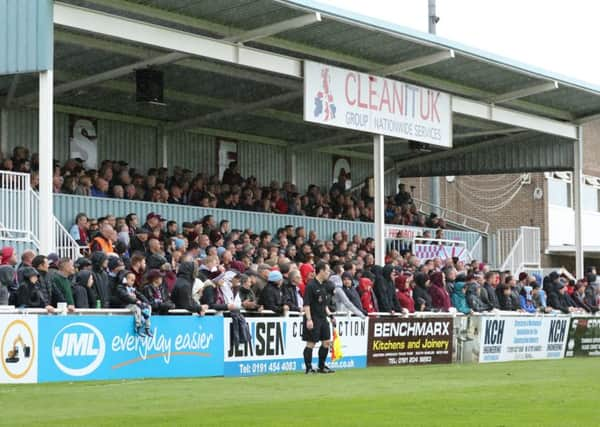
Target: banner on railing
584	337
276	346
504	339
414	341
106	347
19	349
426	251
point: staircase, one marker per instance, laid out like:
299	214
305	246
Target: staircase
19	226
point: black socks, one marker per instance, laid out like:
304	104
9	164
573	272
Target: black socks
308	357
322	356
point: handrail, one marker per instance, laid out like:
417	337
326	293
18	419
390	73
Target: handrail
478	225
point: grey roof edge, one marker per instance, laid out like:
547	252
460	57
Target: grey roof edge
440	42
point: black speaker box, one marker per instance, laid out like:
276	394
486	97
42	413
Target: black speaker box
149	85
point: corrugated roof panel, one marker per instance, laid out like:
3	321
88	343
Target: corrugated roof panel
192	151
124	141
26	36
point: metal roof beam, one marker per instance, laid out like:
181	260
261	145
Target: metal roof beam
166	38
513	118
505	131
411	64
586	119
236	109
106	75
278	27
523	93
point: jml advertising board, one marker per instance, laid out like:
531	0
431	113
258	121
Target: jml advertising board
584	337
414	341
373	104
522	338
276	346
106	347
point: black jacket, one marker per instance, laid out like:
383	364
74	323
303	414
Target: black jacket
80	291
8	281
158	298
182	290
29	294
271	298
558	301
380	287
211	296
489	297
290	296
124	298
101	288
421	295
506	301
49	291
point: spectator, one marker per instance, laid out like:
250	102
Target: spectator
8	284
249	300
421	295
291	290
62	281
182	291
343	304
505	299
100	188
271	298
527	303
459	299
488	293
404	292
474	300
99	294
440	299
50	293
26	259
29	294
403	197
133	300
579	298
351	292
367	295
79	230
104	241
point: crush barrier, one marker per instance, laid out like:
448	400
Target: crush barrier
101	344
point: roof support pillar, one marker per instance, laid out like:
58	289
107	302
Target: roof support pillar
379	173
46	211
577	186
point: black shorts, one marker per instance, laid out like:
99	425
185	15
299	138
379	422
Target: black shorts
319	332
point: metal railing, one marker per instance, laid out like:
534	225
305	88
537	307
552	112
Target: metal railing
453	217
15	205
525	251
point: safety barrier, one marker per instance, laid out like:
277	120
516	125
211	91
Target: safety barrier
90	346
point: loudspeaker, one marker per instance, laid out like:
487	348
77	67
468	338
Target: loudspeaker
149	85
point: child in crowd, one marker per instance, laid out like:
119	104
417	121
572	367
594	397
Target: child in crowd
135	302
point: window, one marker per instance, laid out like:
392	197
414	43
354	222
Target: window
589	198
559	193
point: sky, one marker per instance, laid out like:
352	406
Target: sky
555	35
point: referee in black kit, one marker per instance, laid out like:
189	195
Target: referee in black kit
316	326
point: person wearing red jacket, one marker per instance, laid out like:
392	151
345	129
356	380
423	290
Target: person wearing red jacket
439	295
367	296
404	292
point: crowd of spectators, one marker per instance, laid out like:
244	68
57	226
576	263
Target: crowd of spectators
158	266
115	179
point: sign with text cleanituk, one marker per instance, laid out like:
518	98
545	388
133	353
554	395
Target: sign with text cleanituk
368	103
414	341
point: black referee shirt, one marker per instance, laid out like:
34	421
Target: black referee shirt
315	297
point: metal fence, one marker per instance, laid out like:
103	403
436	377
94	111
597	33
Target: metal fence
15	206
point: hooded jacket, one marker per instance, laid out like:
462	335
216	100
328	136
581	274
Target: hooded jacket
380	287
101	288
474	300
421	295
404	296
8	283
80	290
343	303
29	294
439	295
526	300
558	301
459	300
367	296
353	297
182	291
271	298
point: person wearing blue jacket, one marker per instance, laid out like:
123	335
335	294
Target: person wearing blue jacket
527	302
459	300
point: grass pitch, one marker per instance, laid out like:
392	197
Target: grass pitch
542	393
